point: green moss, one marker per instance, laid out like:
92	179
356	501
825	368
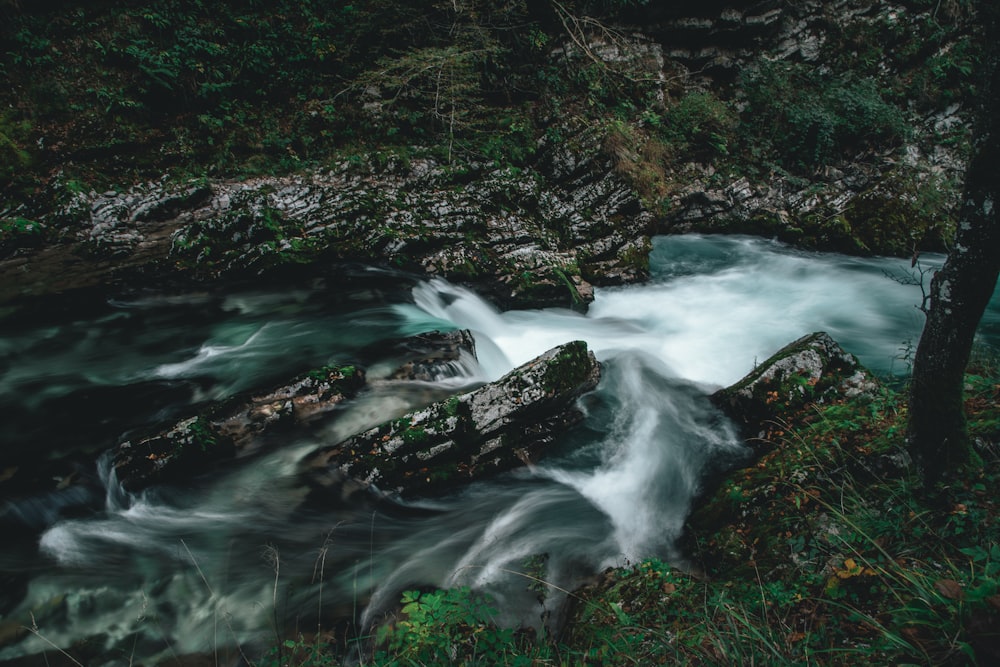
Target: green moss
20	233
568	369
202	434
450	406
415	436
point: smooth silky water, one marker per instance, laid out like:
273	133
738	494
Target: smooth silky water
222	559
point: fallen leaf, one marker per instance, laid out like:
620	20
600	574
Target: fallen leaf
949	588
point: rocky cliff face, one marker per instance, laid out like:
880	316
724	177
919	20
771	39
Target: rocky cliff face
880	201
579	213
540	236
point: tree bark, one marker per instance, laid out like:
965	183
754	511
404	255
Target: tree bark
961	290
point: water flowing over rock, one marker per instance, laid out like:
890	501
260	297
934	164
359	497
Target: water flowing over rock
433	355
497	427
813	369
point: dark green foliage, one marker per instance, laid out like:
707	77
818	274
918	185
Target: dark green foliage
808	119
451	627
128	91
300	651
19	233
699	123
947	76
14	155
202	434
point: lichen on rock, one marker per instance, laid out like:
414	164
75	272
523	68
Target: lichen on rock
499	426
813	369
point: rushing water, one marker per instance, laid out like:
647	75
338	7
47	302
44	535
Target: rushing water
218	561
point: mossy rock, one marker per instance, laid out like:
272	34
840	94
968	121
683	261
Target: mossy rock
16	233
191	444
497	427
813	369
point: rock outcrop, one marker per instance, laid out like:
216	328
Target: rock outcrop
497	427
532	236
874	201
813	369
826	431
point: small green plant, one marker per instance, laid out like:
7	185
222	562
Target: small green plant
300	652
453	626
202	434
699	124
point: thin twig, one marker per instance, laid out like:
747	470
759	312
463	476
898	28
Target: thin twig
34	630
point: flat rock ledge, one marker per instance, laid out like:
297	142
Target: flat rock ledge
813	369
498	427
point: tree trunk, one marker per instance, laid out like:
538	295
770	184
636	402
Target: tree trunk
960	291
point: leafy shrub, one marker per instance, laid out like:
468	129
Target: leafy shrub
808	119
947	76
699	123
445	627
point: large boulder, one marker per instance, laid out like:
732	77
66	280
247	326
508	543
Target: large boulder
813	369
497	427
230	428
236	427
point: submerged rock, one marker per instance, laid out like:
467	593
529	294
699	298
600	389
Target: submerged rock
497	427
433	355
813	369
34	495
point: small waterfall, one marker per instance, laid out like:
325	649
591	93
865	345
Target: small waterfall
116	498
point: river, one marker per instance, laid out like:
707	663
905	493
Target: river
220	561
